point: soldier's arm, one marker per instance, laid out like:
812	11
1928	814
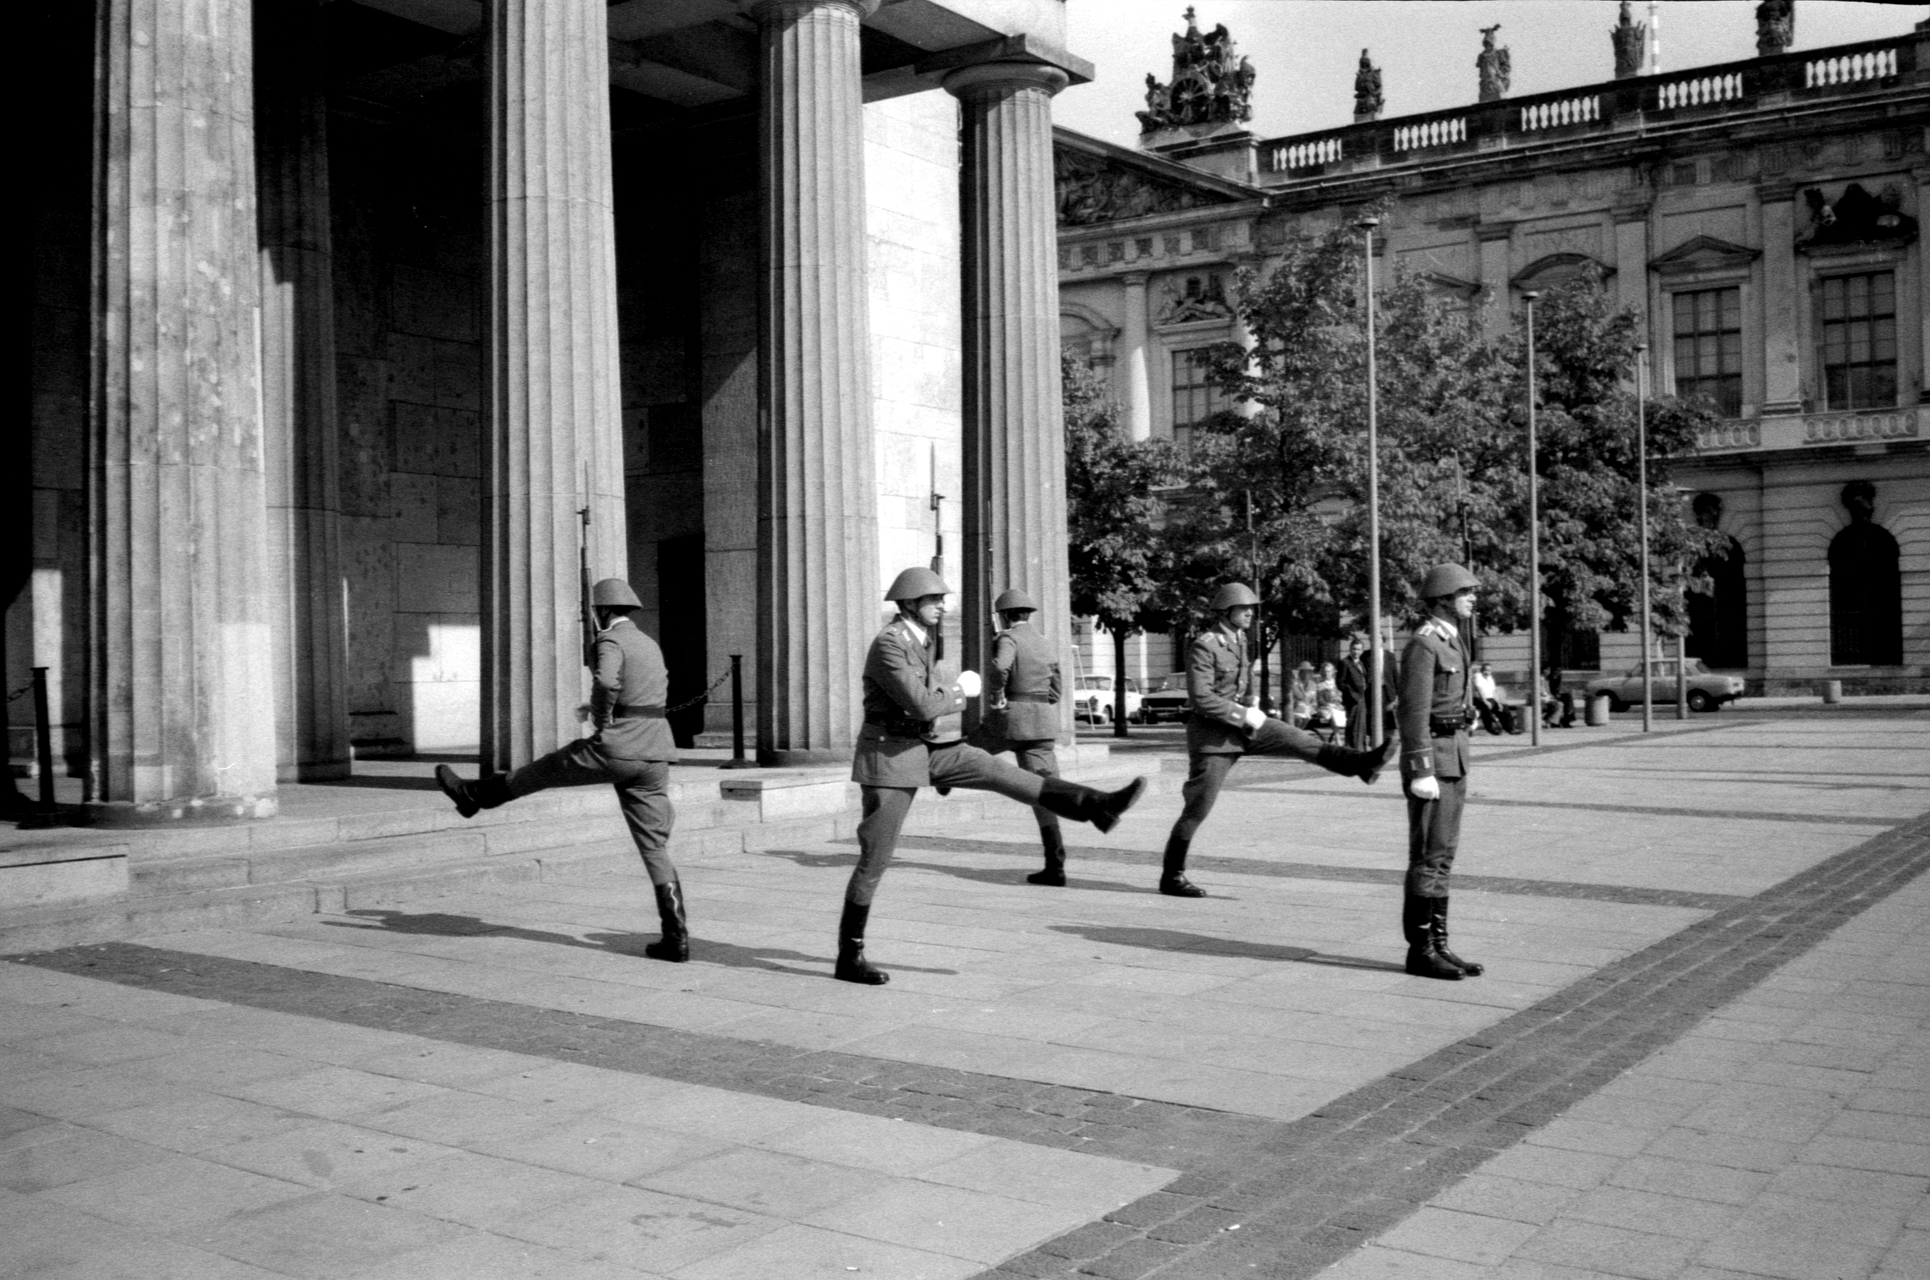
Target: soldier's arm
1416	703
606	685
1207	701
904	680
1004	651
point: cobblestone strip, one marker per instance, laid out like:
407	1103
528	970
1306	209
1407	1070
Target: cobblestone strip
1257	1198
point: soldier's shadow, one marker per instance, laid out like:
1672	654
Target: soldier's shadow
1174	940
730	954
981	875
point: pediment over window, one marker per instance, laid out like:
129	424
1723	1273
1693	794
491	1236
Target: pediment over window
1703	253
1450	286
1559	268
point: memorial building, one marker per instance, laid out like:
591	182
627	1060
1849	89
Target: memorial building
1762	217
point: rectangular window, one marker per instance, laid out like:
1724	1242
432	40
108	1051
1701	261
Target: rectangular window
1708	348
1859	341
1194	398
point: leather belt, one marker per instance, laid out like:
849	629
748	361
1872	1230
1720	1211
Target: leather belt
641	713
1444	728
1029	697
900	731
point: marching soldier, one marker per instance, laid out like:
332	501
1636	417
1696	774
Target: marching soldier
632	751
912	738
1225	723
1024	693
1436	709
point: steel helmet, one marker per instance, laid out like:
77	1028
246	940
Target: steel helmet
1013	599
1232	596
915	582
614	593
1445	580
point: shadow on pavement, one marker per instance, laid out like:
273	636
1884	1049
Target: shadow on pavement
982	875
1207	945
731	955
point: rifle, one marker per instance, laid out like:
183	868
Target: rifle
583	589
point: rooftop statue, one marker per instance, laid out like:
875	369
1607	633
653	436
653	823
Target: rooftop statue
1492	66
1627	36
1211	83
1775	26
1367	95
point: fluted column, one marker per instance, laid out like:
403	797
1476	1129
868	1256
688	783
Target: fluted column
552	431
817	551
183	695
1781	330
1014	447
1138	396
299	443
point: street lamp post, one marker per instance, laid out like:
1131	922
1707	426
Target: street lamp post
1642	501
1375	712
1534	536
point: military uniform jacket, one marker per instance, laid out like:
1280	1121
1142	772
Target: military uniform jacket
1219	683
1434	687
906	696
627	695
1025	679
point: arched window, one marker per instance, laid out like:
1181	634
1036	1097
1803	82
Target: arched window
1865	587
1719	621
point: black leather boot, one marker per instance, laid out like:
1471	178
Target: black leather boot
1054	875
1439	923
852	966
1172	878
470	797
674	946
1417	924
1083	804
1348	763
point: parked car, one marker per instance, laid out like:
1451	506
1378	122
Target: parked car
1165	698
1092	699
1707	691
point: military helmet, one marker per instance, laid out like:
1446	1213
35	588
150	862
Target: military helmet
1012	599
1445	580
1232	596
915	582
614	593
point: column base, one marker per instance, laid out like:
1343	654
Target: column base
801	758
314	771
198	811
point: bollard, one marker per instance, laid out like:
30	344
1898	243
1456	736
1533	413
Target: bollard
737	760
1832	691
1598	711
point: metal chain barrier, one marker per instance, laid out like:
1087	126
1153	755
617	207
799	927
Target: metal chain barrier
28	687
683	706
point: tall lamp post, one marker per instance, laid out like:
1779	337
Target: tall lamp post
1642	520
1375	711
1534	536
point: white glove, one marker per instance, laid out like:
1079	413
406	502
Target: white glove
1428	788
1255	718
969	683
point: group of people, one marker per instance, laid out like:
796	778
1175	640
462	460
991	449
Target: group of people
913	737
1557	705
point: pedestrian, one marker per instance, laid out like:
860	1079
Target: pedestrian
1023	692
1436	710
1351	677
631	750
1225	723
911	739
1494	717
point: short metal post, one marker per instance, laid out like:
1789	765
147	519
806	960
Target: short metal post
737	760
1682	676
44	738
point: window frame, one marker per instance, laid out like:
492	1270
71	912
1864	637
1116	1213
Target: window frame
1825	401
1686	385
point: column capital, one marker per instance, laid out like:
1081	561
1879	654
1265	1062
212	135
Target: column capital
769	11
1133	279
987	78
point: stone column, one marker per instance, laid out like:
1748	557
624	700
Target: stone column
1138	396
552	429
183	722
1781	333
818	584
299	441
1014	447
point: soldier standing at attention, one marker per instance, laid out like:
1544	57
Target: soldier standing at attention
1226	723
1024	694
632	751
1437	704
912	738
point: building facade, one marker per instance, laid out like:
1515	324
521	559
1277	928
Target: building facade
362	330
1761	217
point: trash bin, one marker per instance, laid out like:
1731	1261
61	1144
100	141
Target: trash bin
1832	691
1598	711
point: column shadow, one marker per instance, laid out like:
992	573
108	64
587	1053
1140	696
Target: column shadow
980	875
1174	940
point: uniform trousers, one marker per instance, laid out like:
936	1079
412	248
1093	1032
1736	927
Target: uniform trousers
1207	773
642	787
1433	834
1040	758
884	808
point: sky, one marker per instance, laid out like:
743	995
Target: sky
1305	51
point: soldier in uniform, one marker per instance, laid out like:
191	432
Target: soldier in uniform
1023	691
1437	706
1225	723
912	738
631	750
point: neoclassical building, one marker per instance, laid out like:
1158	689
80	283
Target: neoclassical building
1762	217
361	329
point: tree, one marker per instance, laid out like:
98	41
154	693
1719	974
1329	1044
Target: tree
1121	573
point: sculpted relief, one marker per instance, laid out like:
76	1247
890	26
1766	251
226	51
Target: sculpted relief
1091	191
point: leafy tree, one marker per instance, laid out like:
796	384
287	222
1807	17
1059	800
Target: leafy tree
1121	573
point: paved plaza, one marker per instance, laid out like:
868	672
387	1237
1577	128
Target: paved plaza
1702	1049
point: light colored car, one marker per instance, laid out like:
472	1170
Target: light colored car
1707	691
1165	698
1092	699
